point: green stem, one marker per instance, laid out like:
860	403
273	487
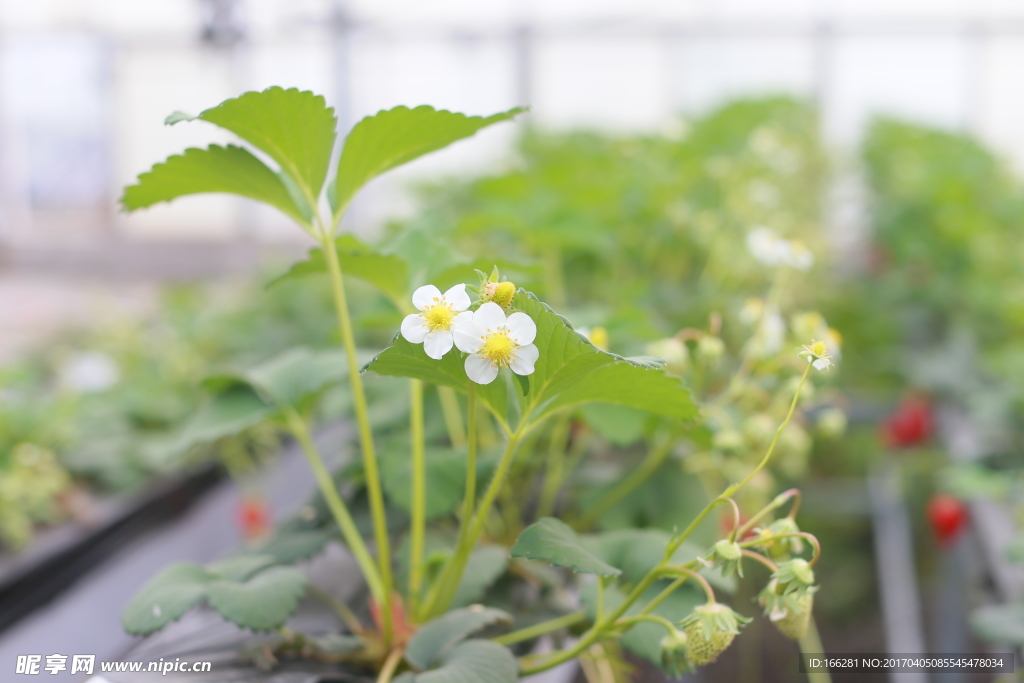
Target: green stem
349	531
373	485
390	665
811	643
776	503
771	447
543	628
471	445
452	416
682	571
810	538
660	597
340	608
418	523
669	626
447	583
555	470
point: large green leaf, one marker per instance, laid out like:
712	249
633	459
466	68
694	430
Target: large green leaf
293	375
553	541
286	379
388	273
296	128
165	598
246	590
474	661
437	637
572	371
262	602
393	137
486	564
228	169
291	545
235	409
240	567
404	359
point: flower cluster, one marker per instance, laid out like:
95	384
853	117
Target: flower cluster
770	249
492	340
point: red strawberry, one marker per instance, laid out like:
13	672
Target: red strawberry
948	517
254	517
910	425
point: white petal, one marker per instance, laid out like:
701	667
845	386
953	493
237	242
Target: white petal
457	297
438	343
524	360
427	295
480	369
522	329
413	328
466	334
489	316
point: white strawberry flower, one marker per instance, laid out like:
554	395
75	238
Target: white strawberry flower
437	316
494	342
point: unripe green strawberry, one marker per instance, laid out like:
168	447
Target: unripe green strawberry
710	629
794	619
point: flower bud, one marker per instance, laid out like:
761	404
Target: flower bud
831	423
710	349
500	293
728	555
727	440
781	548
710	629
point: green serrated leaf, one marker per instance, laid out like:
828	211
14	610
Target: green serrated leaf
389	274
293	375
178	117
396	136
236	409
296	128
621	425
474	661
486	564
229	169
263	602
572	371
404	359
435	638
553	541
165	598
292	546
240	567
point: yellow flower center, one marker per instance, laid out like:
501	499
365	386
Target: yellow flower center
498	348
438	317
819	349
